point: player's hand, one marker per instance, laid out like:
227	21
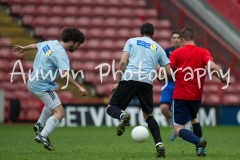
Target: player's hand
19	49
224	80
113	87
83	91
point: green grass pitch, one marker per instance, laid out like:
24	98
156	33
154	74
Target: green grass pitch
102	143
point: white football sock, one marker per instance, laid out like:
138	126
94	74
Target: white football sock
51	124
188	125
46	113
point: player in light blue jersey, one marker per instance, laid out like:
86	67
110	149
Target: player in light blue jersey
50	62
139	59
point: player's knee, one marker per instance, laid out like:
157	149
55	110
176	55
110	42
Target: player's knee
164	107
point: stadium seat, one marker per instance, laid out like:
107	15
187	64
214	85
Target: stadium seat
95	33
105	55
99	11
211	88
5	42
109	33
112	12
15	9
89	77
119	44
65	96
27	10
56	10
39	21
27	65
70	11
84	11
126	12
89	66
27	20
76	55
8	86
117	55
108	44
3	65
5	53
91	55
76	65
22	116
14	2
164	44
156	99
213	99
97	22
162	34
123	33
93	44
82	22
101	90
54	21
58	2
42	10
151	13
110	22
123	22
52	33
135	33
32	114
230	99
39	31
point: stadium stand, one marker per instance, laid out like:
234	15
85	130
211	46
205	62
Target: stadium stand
106	26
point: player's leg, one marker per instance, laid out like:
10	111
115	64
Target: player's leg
145	98
52	102
120	99
181	115
164	107
45	114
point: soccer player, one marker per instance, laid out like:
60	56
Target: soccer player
187	94
51	58
139	57
166	95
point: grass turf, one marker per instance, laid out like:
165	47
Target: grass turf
101	143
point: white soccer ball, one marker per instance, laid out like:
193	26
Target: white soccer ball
140	134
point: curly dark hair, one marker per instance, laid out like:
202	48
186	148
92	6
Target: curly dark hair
72	34
147	29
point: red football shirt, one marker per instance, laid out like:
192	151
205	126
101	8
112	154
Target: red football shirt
189	58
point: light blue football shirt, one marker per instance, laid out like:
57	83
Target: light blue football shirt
51	57
144	54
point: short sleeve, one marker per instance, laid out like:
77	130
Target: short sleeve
40	45
60	60
163	59
207	57
127	47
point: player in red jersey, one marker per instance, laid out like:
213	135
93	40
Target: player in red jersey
189	64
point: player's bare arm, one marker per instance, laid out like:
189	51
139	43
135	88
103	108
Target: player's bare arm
21	49
75	84
214	67
167	69
122	67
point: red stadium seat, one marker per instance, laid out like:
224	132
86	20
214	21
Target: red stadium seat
14	2
3	65
58	2
156	98
112	12
5	52
40	21
101	90
8	86
82	22
124	22
99	11
5	42
123	33
111	22
95	33
89	77
93	44
27	19
109	33
27	10
119	44
32	114
127	3
52	33
213	99
88	66
126	12
151	13
162	34
76	65
71	11
65	96
27	65
91	55
39	31
107	44
54	21
230	99
42	10
15	9
76	55
57	11
211	88
106	55
22	116
97	22
135	32
164	44
85	11
114	3
117	55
